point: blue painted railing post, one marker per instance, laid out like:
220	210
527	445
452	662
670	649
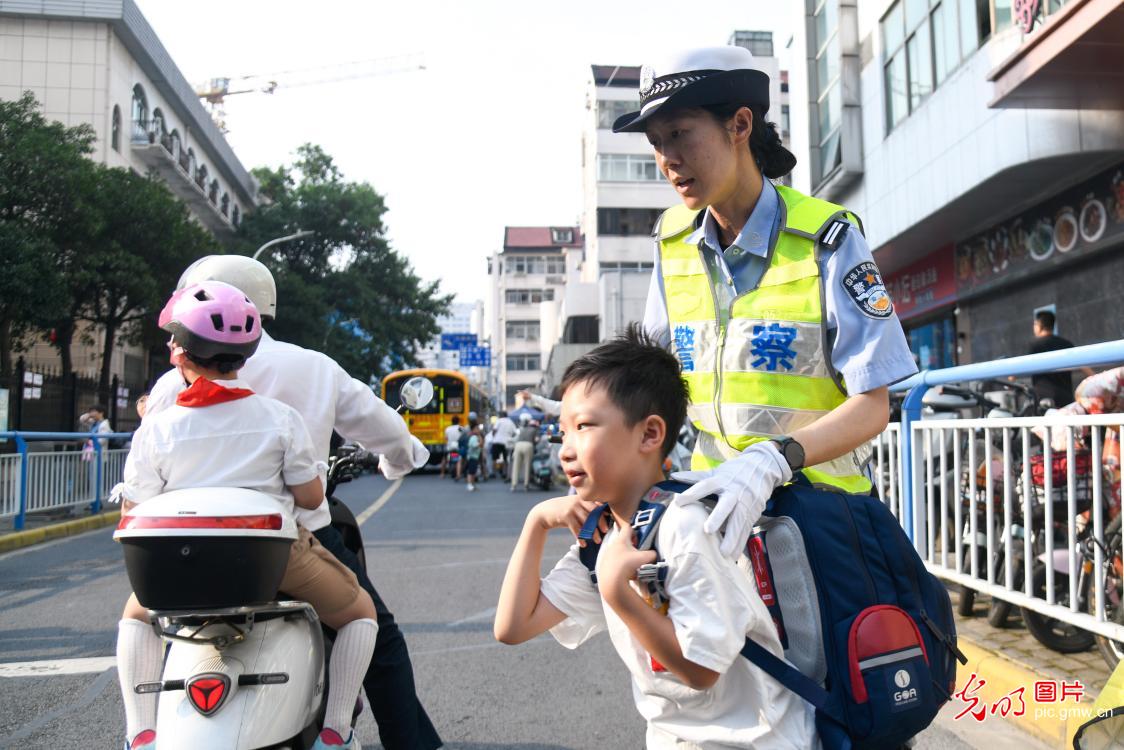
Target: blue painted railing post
21	446
911	412
95	507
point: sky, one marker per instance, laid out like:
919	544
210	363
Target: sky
487	136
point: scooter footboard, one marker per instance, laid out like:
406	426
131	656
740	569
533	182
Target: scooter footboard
258	692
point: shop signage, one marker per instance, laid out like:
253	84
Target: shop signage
1026	11
924	285
1076	223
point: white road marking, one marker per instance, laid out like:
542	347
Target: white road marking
365	515
54	667
485	614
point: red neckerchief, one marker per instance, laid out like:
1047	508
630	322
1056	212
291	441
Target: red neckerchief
203	392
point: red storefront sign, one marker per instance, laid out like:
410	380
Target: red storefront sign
924	285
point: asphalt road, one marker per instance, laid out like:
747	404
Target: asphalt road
436	553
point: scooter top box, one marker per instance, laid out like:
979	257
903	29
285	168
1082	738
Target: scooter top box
205	548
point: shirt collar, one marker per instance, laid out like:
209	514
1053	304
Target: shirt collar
758	230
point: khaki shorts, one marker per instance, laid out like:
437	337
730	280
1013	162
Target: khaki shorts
314	575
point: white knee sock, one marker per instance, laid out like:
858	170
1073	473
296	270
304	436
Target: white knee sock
140	658
351	655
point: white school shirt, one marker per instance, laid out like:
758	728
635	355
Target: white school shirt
256	443
504	432
714	605
453	437
327	398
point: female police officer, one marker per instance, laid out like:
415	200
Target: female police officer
770	298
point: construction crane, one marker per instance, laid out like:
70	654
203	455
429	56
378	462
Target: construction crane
215	91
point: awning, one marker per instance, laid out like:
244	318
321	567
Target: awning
1074	61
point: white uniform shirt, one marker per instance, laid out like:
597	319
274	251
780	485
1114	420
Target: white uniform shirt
327	398
256	443
714	606
504	432
453	436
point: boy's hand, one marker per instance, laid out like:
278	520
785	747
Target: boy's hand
618	561
571	512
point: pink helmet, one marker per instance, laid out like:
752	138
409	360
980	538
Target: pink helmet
212	319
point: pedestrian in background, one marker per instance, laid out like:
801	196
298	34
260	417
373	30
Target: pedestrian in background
503	440
472	455
452	441
523	453
1056	386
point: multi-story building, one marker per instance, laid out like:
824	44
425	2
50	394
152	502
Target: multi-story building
982	144
760	45
99	62
527	277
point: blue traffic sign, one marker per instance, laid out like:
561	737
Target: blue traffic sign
455	341
476	356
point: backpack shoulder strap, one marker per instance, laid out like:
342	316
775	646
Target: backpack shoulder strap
791	678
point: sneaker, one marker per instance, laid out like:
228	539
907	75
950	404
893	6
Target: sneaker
330	739
471	487
146	740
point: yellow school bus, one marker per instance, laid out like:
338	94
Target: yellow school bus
453	394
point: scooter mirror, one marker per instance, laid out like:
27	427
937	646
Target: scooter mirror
416	393
1102	732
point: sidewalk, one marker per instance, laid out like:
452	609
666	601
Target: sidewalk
42	527
1010	658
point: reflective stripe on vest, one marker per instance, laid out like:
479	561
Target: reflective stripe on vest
769	372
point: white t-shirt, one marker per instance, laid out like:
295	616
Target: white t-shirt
452	437
504	431
256	443
327	398
714	605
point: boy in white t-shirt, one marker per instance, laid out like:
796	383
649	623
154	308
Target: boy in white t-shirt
222	434
622	406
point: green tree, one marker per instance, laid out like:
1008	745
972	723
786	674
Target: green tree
343	291
139	239
43	174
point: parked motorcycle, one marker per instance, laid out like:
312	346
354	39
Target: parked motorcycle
245	669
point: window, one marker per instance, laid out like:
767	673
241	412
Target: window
624	266
542	264
627	222
827	87
235	216
627	168
527	330
115	132
158	125
784	119
527	296
140	114
524	362
224	205
609	110
213	193
201	176
562	236
923	41
759	43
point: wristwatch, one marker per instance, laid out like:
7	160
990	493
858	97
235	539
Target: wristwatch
792	451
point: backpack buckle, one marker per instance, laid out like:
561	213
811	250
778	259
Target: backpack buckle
650	573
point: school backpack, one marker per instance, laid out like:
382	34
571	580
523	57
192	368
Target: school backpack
868	633
462	443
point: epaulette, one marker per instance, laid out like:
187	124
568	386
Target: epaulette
832	237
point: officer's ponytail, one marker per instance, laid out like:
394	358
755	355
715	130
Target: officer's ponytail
773	159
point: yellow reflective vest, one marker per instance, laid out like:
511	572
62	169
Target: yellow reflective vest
767	370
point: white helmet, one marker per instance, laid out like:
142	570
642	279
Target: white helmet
251	277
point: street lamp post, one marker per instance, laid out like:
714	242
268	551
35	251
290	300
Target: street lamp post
279	240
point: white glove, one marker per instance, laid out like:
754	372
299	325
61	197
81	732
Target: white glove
420	457
743	485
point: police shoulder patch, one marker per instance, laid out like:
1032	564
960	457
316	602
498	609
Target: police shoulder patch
866	289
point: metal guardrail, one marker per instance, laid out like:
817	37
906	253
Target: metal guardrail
982	497
32	481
